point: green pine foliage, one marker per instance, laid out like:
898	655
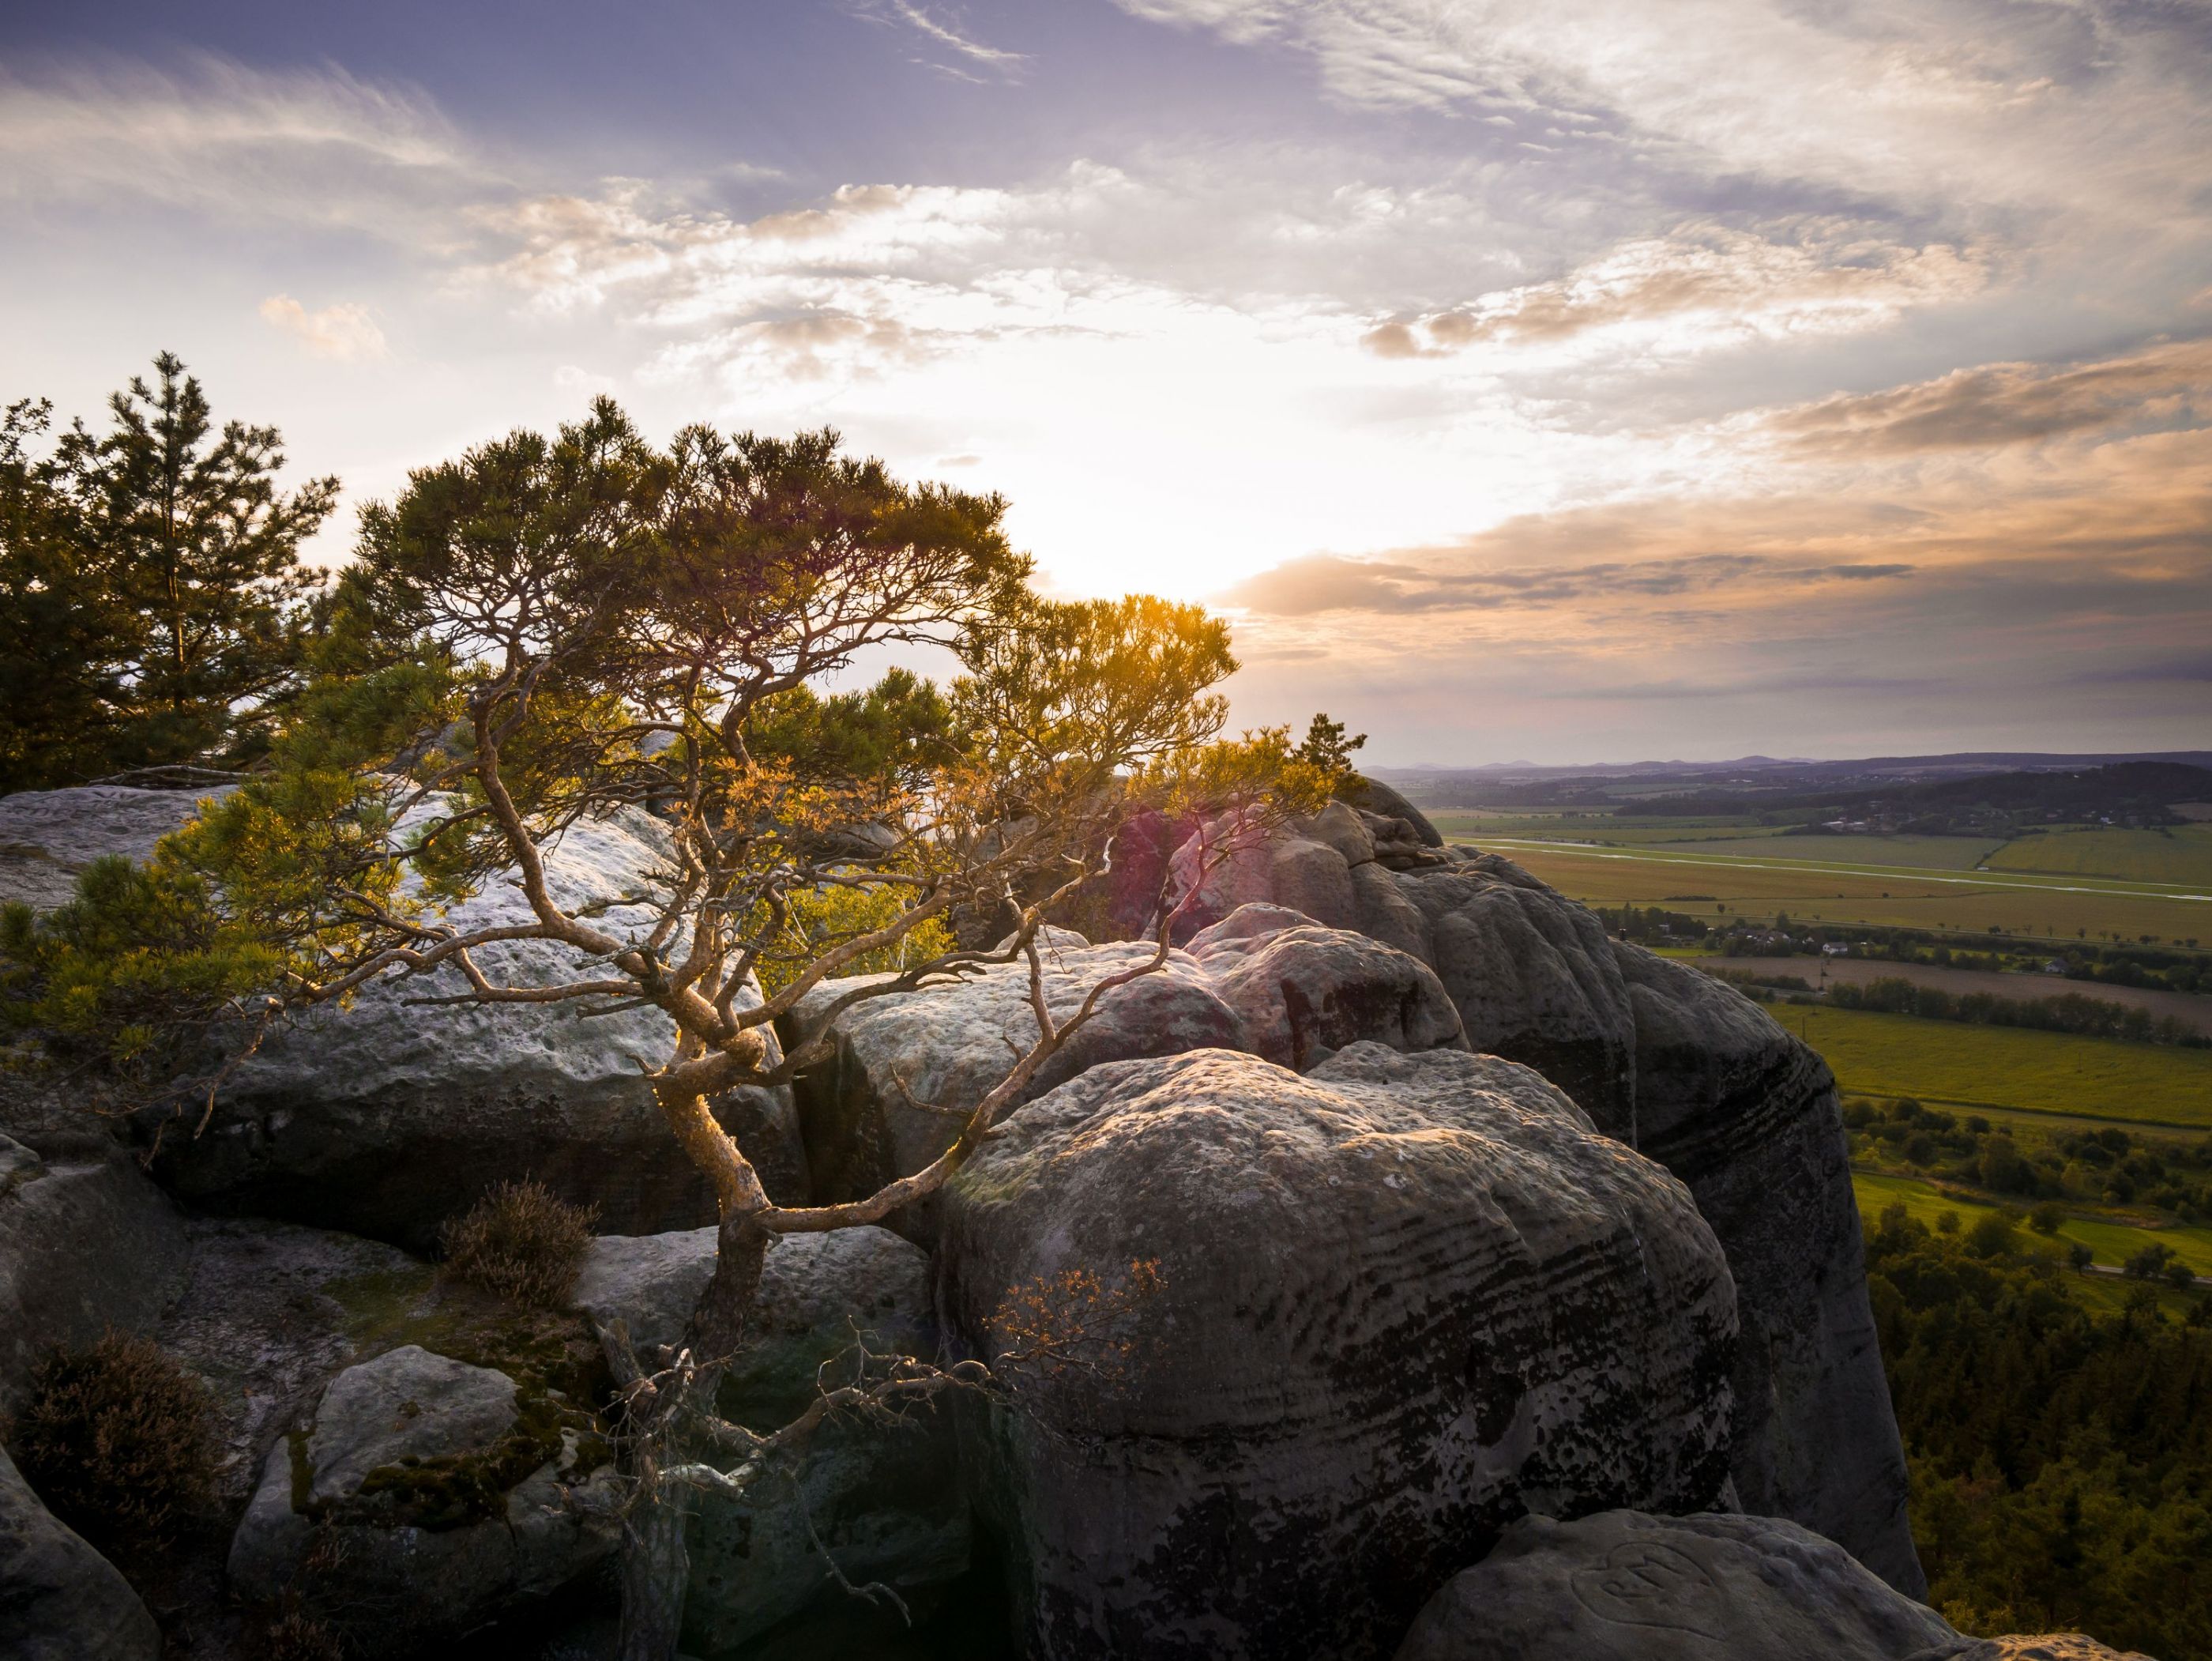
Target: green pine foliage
2060	1460
152	607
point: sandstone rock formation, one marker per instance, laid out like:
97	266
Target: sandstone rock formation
1622	1586
386	1117
1267	979
886	1502
446	1499
1748	1117
1385	801
271	1312
59	1600
869	1113
47	836
1304	992
86	1242
1533	978
1700	1079
1400	1301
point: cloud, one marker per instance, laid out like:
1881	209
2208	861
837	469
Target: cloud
308	147
1320	583
2078	103
2008	403
1810	277
1006	65
343	332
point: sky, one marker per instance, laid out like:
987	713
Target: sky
1562	382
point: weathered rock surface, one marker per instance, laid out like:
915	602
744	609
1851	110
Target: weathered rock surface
1748	1117
47	836
86	1242
1305	992
59	1600
269	1313
886	1500
386	1117
1267	979
1533	978
1400	1301
868	1114
1222	867
1703	1080
444	1499
1622	1586
1379	798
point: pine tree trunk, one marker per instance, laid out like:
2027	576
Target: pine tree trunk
656	1570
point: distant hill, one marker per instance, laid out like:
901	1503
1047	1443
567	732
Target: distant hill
2043	786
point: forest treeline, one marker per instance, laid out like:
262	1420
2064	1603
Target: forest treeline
2061	1460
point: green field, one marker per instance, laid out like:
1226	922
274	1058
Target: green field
1758	884
1905	853
2007	1067
2182	853
2113	1243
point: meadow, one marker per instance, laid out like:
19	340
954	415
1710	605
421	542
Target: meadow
2112	1242
2177	854
1756	883
2008	1067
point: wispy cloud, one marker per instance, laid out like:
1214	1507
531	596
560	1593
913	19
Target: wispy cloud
1808	276
309	147
2006	403
1322	583
946	36
343	332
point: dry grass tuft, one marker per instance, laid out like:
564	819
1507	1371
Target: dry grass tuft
298	1637
120	1440
521	1240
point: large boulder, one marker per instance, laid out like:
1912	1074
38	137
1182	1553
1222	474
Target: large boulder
87	1244
1376	797
903	1067
1748	1117
48	837
1268	978
1701	1080
59	1600
1305	992
427	1499
1297	1347
390	1115
271	1312
1533	978
885	1500
1621	1586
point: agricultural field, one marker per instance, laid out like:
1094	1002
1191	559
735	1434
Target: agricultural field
2007	1067
1757	885
1904	852
2180	854
2112	1242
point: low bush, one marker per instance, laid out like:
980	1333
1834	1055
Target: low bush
120	1440
521	1240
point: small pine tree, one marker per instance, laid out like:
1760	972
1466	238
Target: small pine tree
1326	747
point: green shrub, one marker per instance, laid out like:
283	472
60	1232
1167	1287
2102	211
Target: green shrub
521	1240
120	1441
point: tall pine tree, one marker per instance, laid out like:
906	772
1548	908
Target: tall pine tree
201	555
